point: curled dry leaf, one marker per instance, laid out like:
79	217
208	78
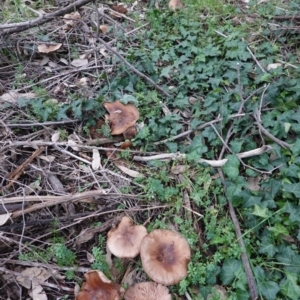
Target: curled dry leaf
121	116
97	286
96	162
273	66
103	28
13	97
79	62
175	4
43	48
4	218
55	137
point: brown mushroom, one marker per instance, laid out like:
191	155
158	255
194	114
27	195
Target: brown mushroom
165	255
98	286
147	291
125	240
121	116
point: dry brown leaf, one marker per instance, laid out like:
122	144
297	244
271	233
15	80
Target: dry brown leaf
120	9
103	28
128	171
178	169
79	62
43	48
84	236
4	218
13	97
175	4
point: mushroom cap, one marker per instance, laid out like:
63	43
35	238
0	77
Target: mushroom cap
147	291
121	116
98	287
165	255
125	240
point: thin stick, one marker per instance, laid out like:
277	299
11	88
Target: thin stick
7	29
132	68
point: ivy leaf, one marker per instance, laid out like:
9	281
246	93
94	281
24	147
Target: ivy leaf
125	99
293	188
165	71
242	295
294	211
267	247
229	270
262	212
289	287
278	229
296	148
231	168
267	288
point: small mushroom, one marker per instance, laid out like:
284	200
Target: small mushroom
165	255
147	291
121	116
98	286
125	240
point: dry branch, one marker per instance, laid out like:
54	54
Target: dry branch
7	29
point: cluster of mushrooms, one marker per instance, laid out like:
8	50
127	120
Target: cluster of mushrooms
165	255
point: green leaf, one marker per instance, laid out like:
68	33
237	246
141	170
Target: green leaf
294	211
165	71
231	168
267	288
125	99
229	270
293	188
296	148
262	212
278	229
289	287
267	247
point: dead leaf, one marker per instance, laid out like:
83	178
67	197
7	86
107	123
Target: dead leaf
84	236
47	158
4	218
273	66
36	274
55	137
90	257
96	162
43	48
103	28
37	292
179	169
83	81
13	97
253	183
124	169
120	9
79	62
44	61
175	4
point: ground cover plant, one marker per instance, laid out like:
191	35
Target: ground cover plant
215	156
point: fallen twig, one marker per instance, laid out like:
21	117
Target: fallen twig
15	174
18	27
132	68
213	163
